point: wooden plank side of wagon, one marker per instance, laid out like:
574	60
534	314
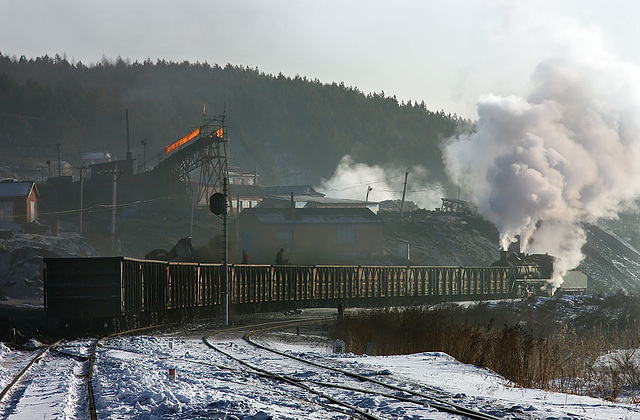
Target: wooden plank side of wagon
77	288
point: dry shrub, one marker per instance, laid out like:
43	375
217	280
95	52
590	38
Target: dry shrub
542	353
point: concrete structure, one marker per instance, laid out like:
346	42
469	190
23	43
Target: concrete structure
18	201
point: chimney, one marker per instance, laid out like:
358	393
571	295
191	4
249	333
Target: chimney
293	208
126	114
503	256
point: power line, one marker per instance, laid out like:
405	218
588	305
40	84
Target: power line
96	208
360	184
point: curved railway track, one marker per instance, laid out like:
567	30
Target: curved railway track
34	391
308	407
344	388
249	376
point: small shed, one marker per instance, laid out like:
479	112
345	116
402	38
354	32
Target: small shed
575	283
310	235
18	201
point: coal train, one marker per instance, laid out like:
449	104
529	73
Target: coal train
121	293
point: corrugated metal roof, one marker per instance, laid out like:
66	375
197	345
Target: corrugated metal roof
16	189
312	215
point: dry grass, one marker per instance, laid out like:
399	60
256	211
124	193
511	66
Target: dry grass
525	343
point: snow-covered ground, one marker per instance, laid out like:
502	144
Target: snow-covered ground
132	380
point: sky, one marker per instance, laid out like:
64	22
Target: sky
445	53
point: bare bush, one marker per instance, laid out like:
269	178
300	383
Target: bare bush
595	353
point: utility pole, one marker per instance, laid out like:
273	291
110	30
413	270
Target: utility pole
193	207
114	201
404	190
114	204
225	256
239	210
59	146
144	154
82	168
126	115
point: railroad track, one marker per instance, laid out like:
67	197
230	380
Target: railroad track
132	381
363	396
53	383
64	389
212	376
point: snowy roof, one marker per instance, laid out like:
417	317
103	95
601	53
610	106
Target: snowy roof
245	190
574	280
295	189
16	189
312	215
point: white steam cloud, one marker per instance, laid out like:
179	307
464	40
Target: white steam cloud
568	154
351	180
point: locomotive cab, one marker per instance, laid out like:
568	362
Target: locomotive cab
531	273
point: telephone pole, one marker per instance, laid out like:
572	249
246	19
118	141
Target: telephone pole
144	154
59	146
114	205
82	168
404	190
225	256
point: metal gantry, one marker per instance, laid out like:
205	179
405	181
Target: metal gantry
206	153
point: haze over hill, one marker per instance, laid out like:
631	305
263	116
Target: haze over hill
347	144
291	130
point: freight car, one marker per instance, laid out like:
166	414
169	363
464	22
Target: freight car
122	293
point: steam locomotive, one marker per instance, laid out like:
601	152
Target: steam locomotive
532	273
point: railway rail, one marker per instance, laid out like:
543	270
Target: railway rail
33	387
209	375
424	402
433	400
132	379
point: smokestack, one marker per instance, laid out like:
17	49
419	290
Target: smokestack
293	208
503	256
126	114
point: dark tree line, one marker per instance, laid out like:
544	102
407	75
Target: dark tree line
276	124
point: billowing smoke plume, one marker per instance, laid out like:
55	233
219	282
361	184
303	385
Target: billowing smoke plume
568	154
351	180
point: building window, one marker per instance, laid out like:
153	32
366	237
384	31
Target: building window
346	236
284	236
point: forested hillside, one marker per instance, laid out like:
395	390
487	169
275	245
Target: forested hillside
289	129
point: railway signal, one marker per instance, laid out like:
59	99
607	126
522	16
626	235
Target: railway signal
218	206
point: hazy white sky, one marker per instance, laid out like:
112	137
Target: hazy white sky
445	52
